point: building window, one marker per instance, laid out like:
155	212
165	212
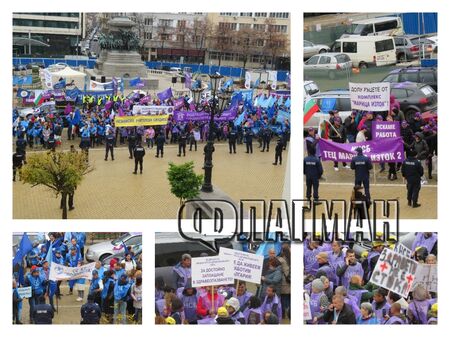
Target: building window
165	23
181	24
228	25
259	43
180	37
45	23
165	37
148	36
259	27
229	14
246	14
278	28
228	56
148	22
245	26
214	56
261	15
279	15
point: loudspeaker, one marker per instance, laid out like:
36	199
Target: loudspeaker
93	78
183	79
103	79
174	80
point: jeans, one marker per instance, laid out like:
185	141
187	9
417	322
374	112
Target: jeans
120	307
138	315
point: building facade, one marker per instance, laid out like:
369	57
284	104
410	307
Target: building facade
47	34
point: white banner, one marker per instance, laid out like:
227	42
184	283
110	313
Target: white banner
247	266
273	79
370	96
248	80
403	250
24	292
426	275
48	79
152	110
100	86
306	308
58	272
394	272
211	271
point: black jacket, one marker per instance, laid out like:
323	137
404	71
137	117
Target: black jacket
345	317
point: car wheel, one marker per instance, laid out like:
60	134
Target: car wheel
104	256
332	75
402	58
363	65
322	51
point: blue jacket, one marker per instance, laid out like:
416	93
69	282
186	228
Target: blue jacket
312	167
362	166
121	291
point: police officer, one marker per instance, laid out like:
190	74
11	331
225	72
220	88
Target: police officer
278	151
90	312
139	153
362	166
412	171
21	144
266	136
182	144
43	314
249	140
160	141
232	138
51	142
110	140
313	170
18	161
131	142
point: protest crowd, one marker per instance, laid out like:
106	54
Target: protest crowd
265	300
387	284
404	147
90	119
106	294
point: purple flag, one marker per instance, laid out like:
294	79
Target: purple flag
68	109
140	85
186	116
163	95
188	80
108	105
145	99
178	103
384	150
384	129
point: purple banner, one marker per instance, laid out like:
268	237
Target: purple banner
163	95
178	103
385	129
384	150
186	116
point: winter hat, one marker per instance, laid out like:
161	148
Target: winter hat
317	284
233	302
170	321
222	312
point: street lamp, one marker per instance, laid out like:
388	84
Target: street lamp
216	107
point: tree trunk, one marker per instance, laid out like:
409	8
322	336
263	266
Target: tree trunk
64	205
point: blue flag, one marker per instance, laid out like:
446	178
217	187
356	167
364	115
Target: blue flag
49	256
60	85
227	84
77	117
73	93
257	82
25	247
264	248
288	103
22	93
135	81
121	86
239	119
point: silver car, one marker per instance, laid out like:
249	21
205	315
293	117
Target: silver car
310	49
331	65
100	251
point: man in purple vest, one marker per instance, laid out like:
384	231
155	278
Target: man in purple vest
372	259
427	240
335	257
349	268
380	304
349	300
395	316
324	267
272	303
242	295
182	271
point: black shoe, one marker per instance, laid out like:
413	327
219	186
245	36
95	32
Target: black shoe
317	203
261	151
430	177
267	150
178	155
246	151
306	209
71	208
409	203
157	156
234	152
382	170
274	164
130	157
230	152
106	159
134	172
140	172
394	177
112	159
416	205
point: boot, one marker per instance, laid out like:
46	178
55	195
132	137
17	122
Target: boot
415	205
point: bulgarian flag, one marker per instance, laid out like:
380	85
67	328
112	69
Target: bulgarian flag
309	110
38	99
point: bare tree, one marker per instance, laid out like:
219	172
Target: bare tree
222	39
276	43
245	43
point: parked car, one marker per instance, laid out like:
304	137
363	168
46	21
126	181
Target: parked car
331	65
310	49
100	251
388	25
137	250
365	51
426	75
310	88
425	46
414	97
405	49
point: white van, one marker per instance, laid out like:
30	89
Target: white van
365	51
387	25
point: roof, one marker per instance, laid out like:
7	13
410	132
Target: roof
68	72
412	69
24	41
375	20
329	54
343	92
366	38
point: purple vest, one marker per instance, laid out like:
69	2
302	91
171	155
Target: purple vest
314	304
357	294
243	299
379	313
161	305
190	307
334	261
421	241
267	306
419	310
370	256
329	272
248	311
352	270
394	320
183	273
351	302
310	261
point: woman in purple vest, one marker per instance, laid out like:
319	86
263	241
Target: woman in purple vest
395	315
427	240
380	304
367	315
188	297
318	302
419	306
253	313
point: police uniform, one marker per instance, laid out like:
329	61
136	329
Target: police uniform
139	153
131	143
278	152
232	137
51	143
249	141
182	144
43	314
18	161
312	168
412	171
160	141
90	313
362	166
267	134
110	140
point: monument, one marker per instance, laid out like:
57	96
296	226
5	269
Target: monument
119	56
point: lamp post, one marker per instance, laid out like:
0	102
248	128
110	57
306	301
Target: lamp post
216	107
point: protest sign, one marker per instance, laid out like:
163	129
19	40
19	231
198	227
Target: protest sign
123	121
403	250
58	272
247	266
370	96
212	271
186	116
306	309
24	292
152	110
394	272
48	79
384	129
385	150
426	275
100	86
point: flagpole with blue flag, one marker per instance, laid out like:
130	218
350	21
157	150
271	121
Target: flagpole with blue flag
25	247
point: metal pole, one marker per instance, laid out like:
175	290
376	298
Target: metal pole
209	149
29	42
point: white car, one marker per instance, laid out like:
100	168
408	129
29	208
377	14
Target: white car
310	49
331	65
100	251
